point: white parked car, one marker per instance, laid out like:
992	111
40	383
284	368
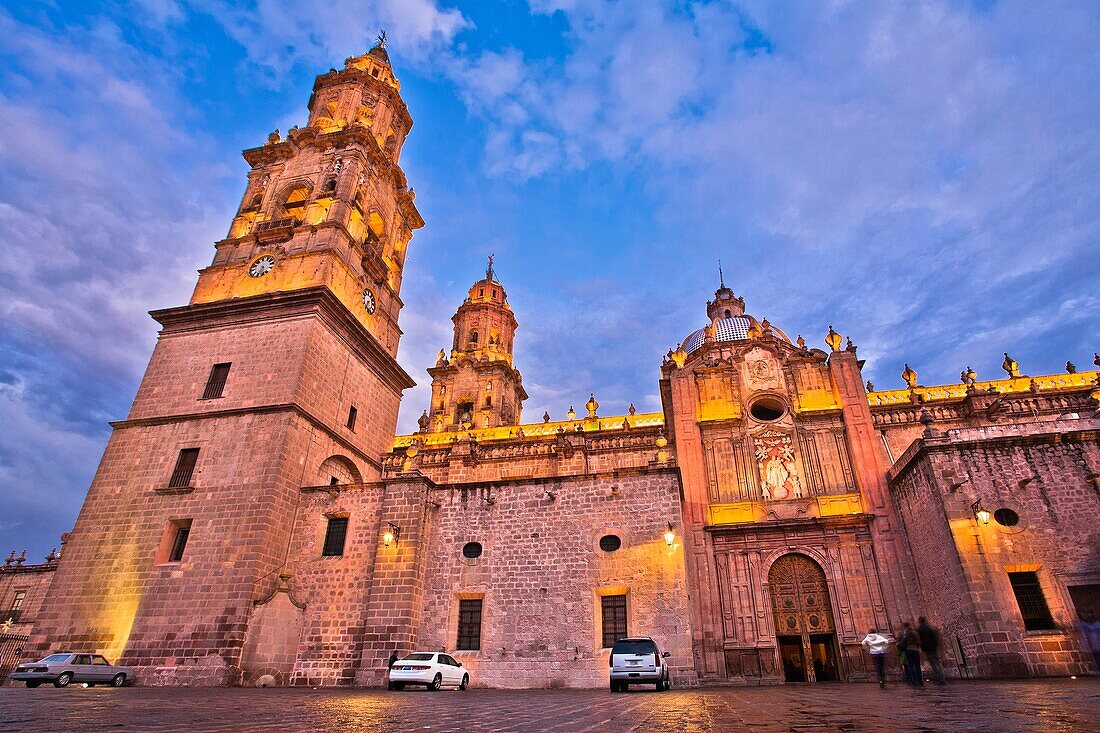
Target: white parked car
64	668
638	661
431	669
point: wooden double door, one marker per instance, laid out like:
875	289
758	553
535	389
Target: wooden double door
804	629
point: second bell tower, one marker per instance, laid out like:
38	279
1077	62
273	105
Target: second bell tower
477	386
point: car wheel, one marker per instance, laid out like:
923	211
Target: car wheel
465	684
436	683
118	680
33	684
63	679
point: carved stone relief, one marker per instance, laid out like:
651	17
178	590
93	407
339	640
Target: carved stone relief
775	461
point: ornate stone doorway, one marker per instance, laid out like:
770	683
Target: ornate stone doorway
804	628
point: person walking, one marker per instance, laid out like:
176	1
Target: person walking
876	645
393	659
930	645
909	645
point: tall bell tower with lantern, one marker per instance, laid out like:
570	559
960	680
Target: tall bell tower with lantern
280	373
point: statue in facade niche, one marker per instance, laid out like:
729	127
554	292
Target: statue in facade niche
778	473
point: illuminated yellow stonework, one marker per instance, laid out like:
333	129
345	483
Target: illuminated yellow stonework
1002	386
825	505
533	431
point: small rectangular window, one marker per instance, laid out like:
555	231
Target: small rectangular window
1032	602
179	542
185	467
613	613
352	414
335	534
469	625
17	602
215	383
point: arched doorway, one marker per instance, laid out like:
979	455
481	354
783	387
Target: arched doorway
804	630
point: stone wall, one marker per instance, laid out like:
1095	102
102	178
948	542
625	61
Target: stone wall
1046	473
542	573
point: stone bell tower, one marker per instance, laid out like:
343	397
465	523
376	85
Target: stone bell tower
477	386
280	373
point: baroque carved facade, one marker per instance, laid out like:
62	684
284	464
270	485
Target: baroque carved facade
255	521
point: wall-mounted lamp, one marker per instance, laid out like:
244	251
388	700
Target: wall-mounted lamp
391	534
980	512
670	536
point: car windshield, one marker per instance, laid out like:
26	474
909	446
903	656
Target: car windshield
628	646
418	657
56	658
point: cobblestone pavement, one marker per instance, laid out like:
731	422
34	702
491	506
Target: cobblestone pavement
1048	706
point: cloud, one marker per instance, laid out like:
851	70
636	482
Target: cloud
914	172
279	35
103	223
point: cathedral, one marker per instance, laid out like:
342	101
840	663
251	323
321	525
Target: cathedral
255	521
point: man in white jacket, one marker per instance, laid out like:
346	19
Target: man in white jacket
876	644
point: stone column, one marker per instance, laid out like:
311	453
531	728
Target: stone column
892	559
392	620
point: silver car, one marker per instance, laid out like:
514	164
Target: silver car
66	667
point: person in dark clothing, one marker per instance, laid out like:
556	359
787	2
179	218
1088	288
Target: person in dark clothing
930	645
909	645
393	659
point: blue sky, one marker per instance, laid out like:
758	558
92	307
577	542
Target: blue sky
922	175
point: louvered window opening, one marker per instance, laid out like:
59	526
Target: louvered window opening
335	535
469	625
614	619
1032	602
185	468
215	384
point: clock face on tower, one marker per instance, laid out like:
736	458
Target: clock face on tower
368	300
261	266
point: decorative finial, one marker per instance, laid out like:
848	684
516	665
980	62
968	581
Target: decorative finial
489	269
424	421
380	41
910	377
833	339
22	558
1096	359
1011	366
273	137
572	414
546	417
801	342
441	358
968	376
592	406
721	277
870	386
850	346
1071	368
9	559
631	409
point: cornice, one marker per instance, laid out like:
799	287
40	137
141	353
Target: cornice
239	411
318	300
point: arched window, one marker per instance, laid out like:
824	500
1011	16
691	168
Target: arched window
473	337
727	312
338	470
294	205
330	186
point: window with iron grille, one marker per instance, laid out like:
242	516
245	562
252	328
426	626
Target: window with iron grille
215	383
17	602
335	534
1032	602
614	619
469	625
179	542
185	467
352	414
